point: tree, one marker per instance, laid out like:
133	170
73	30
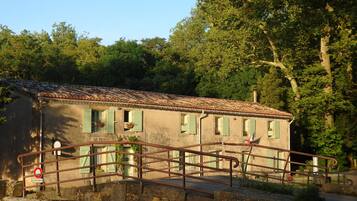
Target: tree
4	99
302	40
272	91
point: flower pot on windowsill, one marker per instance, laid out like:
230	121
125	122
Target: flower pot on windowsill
128	125
100	124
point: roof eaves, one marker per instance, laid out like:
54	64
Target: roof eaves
173	108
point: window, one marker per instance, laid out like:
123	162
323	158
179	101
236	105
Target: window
190	158
98	120
212	161
274	129
276	159
133	120
245	127
270	128
218	125
99	158
86	161
95	121
249	127
127	120
222	126
177	157
188	124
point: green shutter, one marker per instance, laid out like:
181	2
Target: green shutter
225	126
87	120
270	161
84	161
137	118
212	162
175	165
111	158
110	120
277	129
252	127
192	124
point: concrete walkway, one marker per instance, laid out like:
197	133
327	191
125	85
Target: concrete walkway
337	197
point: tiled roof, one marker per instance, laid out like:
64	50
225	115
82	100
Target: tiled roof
144	99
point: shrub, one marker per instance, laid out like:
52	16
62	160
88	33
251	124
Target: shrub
309	193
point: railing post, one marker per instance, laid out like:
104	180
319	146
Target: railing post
183	161
201	162
230	173
326	171
285	166
94	167
57	175
140	172
169	162
23	178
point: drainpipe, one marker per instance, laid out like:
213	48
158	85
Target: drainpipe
290	122
202	116
41	133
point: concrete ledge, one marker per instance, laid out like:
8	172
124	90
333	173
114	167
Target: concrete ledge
340	189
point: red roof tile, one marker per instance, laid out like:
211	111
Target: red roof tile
144	98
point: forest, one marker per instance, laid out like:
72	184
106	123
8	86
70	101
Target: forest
298	55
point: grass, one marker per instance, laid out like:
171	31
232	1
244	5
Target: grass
305	193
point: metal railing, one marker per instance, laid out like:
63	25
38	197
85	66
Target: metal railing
158	164
147	159
255	156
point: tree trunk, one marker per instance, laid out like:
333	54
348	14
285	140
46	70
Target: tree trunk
326	64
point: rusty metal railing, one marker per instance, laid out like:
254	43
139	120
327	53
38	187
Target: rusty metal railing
148	159
283	173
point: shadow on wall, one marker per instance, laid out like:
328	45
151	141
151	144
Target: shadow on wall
20	134
17	135
59	125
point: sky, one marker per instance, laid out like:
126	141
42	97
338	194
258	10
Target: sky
106	19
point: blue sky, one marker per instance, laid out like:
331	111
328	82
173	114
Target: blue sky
107	19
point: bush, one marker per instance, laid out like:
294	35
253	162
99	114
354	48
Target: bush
309	193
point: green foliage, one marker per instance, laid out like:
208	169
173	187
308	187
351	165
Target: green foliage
309	193
269	187
272	91
223	37
4	99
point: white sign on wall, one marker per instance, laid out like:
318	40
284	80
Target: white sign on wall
57	144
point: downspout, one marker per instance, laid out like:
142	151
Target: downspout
289	138
202	116
41	133
289	131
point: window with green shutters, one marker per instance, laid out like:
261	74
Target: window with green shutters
252	126
111	158
87	120
110	126
85	160
192	159
98	121
133	120
222	126
274	129
212	161
245	127
274	160
175	166
188	124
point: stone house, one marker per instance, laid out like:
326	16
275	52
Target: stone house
43	113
